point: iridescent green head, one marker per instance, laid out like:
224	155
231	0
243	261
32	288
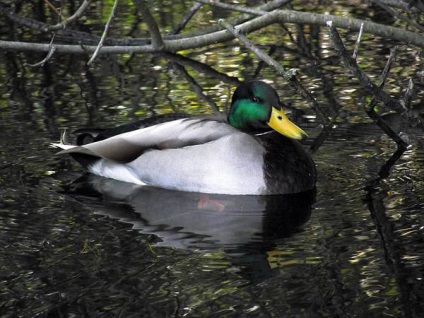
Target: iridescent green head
255	108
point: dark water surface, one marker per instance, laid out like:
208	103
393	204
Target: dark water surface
72	245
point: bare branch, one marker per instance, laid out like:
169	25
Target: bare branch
399	16
371	112
388	67
53	8
200	67
287	74
383	78
83	38
157	40
231	7
407	97
190	42
413	6
380	122
196	87
368	86
186	18
72	18
49	55
100	45
358	41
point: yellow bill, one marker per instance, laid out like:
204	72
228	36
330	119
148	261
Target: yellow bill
282	124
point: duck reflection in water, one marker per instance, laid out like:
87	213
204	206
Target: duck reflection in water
240	224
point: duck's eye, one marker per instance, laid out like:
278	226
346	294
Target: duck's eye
255	99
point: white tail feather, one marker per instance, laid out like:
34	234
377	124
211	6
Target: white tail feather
63	143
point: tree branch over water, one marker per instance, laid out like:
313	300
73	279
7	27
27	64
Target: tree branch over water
102	39
366	82
190	41
157	41
63	24
248	20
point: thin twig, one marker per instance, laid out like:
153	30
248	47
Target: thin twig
383	77
261	63
399	16
289	75
231	7
411	7
186	18
367	85
388	67
53	8
52	48
205	69
358	42
157	41
380	122
72	18
407	97
373	114
102	39
196	87
347	59
48	56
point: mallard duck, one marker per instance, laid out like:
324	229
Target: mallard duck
252	151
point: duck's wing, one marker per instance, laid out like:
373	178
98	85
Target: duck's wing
89	135
174	134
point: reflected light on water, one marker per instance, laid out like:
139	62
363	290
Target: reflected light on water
356	252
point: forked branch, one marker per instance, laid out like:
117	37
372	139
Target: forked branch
367	85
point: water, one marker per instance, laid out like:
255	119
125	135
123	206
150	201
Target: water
75	245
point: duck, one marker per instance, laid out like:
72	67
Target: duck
255	149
